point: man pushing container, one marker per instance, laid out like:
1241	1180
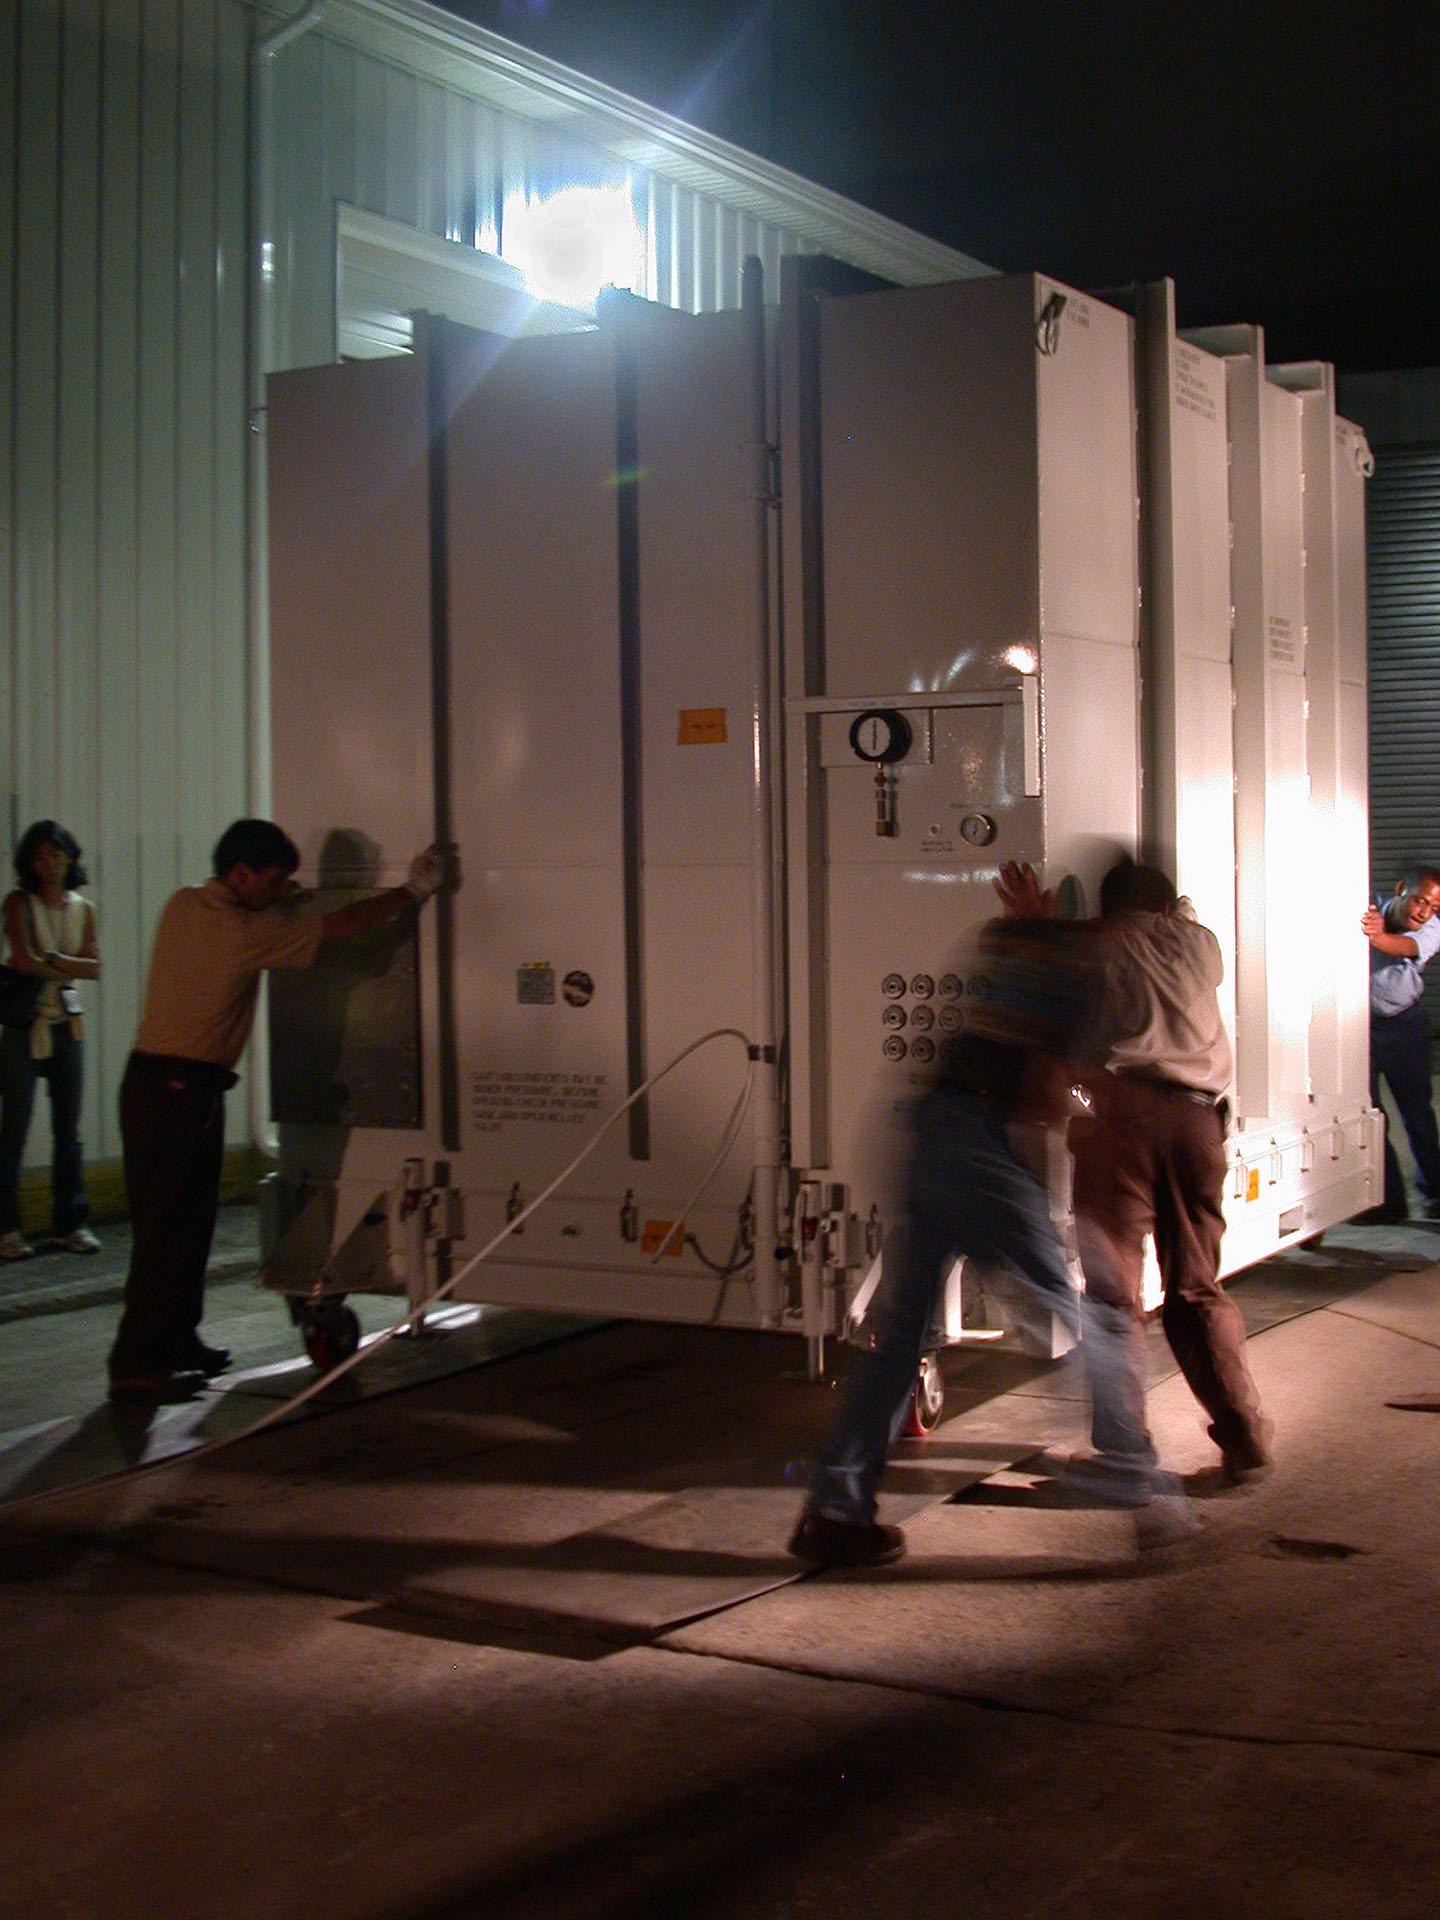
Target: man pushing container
212	944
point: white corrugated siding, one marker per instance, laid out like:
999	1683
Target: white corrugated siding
122	375
350	129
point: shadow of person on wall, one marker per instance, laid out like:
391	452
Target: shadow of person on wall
344	1053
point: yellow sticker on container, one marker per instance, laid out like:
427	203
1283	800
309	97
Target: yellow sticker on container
1252	1184
654	1236
702	727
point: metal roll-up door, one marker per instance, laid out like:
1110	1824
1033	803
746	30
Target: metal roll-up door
1403	558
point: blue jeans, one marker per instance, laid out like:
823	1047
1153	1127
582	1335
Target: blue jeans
63	1072
1400	1050
966	1194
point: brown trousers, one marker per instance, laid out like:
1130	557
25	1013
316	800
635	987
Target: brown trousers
1150	1160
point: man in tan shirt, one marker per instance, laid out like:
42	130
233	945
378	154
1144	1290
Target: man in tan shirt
212	944
1150	1158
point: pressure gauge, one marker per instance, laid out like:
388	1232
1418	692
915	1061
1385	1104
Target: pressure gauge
881	735
977	829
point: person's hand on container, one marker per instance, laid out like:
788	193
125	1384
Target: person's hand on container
427	873
1021	893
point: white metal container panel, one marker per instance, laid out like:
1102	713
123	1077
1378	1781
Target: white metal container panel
929	488
1189	770
699	588
1203	775
1334	950
1352	858
1272	788
537	1072
1085	429
533	585
350	685
1091	715
1353	466
1289	901
700	597
1282	465
1205	806
1200	458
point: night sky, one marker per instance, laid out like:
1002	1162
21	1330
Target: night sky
1280	162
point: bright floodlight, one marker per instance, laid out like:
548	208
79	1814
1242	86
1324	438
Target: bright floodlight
574	244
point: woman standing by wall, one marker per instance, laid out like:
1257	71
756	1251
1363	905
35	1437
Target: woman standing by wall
50	937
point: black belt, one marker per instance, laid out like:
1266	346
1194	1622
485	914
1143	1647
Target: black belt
201	1073
1200	1099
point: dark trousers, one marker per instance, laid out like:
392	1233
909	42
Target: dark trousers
1149	1160
63	1073
1400	1050
172	1131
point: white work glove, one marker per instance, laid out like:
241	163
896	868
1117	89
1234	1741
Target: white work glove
427	874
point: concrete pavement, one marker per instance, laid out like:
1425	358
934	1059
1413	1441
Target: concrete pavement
523	1639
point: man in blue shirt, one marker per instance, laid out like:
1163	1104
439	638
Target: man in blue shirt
1403	936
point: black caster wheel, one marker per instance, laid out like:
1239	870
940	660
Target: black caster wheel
927	1400
331	1332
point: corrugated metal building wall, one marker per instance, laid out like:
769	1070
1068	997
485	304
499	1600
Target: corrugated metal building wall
1403	501
1400	412
125	186
122	378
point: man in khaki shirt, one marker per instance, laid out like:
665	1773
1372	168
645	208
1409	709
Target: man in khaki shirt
212	944
1150	1158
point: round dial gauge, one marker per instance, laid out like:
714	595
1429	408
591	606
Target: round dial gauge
977	829
881	735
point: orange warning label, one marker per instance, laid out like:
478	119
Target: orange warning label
1252	1184
702	727
654	1235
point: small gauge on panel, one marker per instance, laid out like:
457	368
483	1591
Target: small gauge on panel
977	829
881	735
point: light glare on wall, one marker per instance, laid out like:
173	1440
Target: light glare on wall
575	243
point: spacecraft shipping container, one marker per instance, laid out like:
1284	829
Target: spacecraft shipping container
734	654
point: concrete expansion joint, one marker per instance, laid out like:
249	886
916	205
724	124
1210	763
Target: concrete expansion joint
1399	1333
1059	1716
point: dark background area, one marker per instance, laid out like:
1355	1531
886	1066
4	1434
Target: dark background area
1280	162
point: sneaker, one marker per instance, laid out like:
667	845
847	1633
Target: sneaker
199	1355
1116	1480
1163	1521
1246	1459
78	1240
821	1541
14	1246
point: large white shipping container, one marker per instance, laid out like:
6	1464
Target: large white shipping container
735	657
